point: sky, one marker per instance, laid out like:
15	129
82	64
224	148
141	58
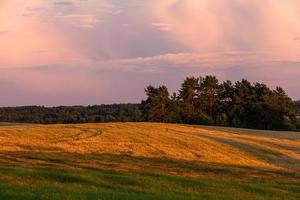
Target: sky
84	52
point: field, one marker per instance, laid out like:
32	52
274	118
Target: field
147	161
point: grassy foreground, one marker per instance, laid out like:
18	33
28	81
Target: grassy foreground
147	161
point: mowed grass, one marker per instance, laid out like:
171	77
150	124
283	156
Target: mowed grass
147	161
24	183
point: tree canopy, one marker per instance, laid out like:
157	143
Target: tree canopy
205	100
297	107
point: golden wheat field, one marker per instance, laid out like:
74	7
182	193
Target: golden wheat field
166	149
149	140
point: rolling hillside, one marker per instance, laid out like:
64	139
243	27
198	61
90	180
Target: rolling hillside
147	161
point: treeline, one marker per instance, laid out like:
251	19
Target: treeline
202	100
297	107
71	114
206	101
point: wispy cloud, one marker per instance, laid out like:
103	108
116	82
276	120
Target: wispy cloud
163	26
233	25
3	32
184	61
64	2
297	37
83	20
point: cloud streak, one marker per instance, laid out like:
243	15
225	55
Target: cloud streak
233	25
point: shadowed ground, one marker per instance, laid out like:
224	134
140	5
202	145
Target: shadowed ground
147	161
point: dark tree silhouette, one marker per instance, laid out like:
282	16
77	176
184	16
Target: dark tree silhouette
204	100
155	107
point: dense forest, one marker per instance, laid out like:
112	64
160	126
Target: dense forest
71	114
297	107
202	100
205	100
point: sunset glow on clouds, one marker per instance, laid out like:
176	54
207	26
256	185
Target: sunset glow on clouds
56	52
236	25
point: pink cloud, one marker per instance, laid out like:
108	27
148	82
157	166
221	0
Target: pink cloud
233	25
